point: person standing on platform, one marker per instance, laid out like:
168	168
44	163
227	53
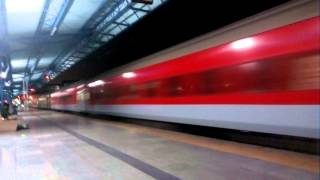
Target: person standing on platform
5	110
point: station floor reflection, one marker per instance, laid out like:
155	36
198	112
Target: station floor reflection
68	146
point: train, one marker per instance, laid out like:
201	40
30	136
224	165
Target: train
260	74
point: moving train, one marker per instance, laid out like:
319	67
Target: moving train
260	74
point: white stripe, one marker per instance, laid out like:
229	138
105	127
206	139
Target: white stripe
73	107
295	120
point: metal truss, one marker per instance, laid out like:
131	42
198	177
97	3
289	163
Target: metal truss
111	19
52	16
5	65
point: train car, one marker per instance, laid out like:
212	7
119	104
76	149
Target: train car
261	74
42	101
71	98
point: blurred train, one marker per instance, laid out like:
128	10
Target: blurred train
261	74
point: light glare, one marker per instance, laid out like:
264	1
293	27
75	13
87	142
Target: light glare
70	89
16	6
3	75
96	83
80	86
128	75
7	83
243	43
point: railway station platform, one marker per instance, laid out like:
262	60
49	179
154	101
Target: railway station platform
69	146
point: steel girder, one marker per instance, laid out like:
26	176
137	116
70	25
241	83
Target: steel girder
110	20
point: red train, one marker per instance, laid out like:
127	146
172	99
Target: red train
261	74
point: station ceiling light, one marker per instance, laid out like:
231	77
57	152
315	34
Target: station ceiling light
18	6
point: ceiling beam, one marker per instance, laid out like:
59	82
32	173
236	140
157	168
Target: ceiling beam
60	16
43	38
64	9
105	16
4	55
43	16
28	69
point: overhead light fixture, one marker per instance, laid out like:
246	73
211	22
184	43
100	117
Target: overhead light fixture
22	6
4	73
8	83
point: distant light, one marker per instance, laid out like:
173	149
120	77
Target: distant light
16	6
7	83
70	89
128	75
96	83
243	43
80	86
81	91
32	89
47	77
53	31
17	79
3	75
58	94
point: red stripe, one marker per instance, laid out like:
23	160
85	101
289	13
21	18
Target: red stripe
296	38
307	97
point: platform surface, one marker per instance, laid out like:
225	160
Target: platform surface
65	146
8	126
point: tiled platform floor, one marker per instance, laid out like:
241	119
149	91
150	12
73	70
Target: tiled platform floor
65	146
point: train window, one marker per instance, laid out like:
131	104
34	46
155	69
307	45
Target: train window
191	84
162	88
274	74
140	89
118	91
125	91
305	73
265	75
152	88
146	89
300	72
174	86
132	91
108	93
238	78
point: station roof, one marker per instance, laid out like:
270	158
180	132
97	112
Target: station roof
46	37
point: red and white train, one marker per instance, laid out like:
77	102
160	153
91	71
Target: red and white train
261	74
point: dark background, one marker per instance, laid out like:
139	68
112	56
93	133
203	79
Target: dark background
172	23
